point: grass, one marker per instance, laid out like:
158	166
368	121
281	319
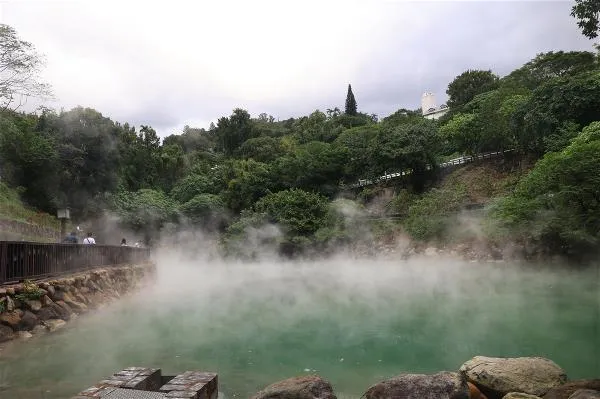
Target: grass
439	214
13	212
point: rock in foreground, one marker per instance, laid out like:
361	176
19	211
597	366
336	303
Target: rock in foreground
444	385
566	390
500	376
306	387
585	394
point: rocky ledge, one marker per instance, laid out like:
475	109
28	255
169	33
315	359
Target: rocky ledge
479	378
29	308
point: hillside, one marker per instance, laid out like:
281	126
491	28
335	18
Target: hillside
20	222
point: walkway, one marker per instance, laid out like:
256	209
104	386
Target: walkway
447	164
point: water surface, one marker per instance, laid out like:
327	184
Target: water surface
354	322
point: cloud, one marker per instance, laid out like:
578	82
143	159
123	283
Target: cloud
174	63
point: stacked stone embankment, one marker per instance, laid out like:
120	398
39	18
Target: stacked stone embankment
33	307
479	378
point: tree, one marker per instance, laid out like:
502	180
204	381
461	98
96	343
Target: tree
587	13
556	207
469	84
233	131
546	66
20	65
350	102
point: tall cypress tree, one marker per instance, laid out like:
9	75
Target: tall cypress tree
350	102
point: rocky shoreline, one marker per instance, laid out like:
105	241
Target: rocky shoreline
31	308
479	378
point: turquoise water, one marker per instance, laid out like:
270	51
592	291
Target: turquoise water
354	322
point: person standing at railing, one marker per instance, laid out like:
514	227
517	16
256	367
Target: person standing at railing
124	243
89	240
71	238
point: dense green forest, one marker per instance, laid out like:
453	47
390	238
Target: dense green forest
246	172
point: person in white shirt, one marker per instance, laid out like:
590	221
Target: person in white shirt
89	240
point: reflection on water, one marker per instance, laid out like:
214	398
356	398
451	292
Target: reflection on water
255	324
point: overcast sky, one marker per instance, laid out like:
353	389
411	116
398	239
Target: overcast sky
172	63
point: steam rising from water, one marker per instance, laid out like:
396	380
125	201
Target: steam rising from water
353	321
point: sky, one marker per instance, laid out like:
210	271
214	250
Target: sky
174	63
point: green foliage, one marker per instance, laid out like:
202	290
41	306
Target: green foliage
315	166
574	99
557	205
467	85
299	212
406	146
144	210
551	65
350	108
248	181
206	210
261	149
233	131
357	144
430	217
30	292
587	13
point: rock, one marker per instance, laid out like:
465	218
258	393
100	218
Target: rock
10	319
77	306
39	329
10	304
10	290
444	385
33	304
567	389
6	333
519	395
585	394
84	290
24	335
474	392
430	251
306	387
48	312
54	324
62	310
51	290
46	301
28	321
2	291
498	376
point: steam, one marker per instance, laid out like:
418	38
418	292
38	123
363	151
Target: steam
256	322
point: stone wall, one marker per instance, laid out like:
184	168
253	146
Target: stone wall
46	305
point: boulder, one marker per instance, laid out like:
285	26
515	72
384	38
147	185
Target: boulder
567	389
23	335
51	290
39	329
54	324
63	310
6	333
47	312
306	387
497	377
474	392
444	385
11	319
519	395
10	304
33	304
46	301
28	321
77	306
585	394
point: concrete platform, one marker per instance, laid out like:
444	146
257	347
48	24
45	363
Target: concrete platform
148	383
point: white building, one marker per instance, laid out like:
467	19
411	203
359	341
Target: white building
429	107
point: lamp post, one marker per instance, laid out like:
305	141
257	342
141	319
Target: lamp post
63	214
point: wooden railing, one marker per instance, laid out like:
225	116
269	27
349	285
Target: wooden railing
28	260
